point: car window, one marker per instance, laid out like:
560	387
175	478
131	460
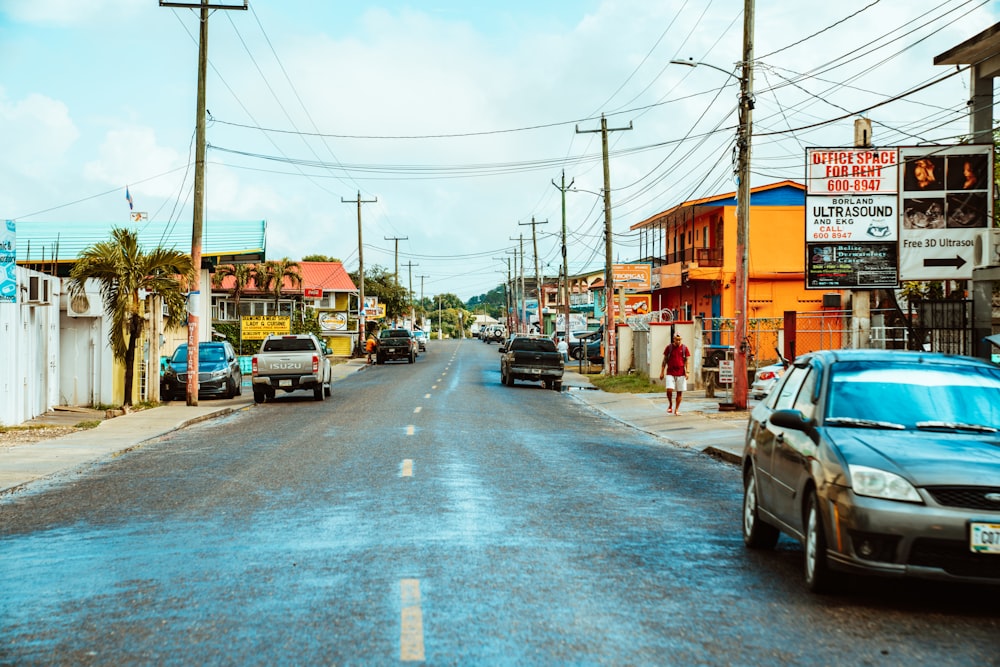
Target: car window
907	393
804	398
211	354
533	345
789	389
180	354
288	345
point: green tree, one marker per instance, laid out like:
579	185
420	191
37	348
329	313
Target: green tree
243	277
123	270
382	284
319	258
270	277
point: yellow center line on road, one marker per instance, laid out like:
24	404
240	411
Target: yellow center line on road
407	468
411	631
409	429
417	409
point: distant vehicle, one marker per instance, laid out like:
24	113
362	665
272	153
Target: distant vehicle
767	377
218	372
395	344
494	333
531	358
421	337
880	463
589	345
290	363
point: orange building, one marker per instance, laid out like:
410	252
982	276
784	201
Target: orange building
692	249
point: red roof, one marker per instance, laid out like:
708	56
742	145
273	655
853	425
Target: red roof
327	276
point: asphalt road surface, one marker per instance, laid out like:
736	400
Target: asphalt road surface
426	513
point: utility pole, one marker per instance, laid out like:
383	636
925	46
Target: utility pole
740	379
397	239
565	267
610	353
538	279
361	272
506	296
194	297
523	316
409	294
422	296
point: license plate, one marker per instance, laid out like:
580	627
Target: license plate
984	538
284	383
536	371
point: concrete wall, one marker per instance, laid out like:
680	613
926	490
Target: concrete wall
29	355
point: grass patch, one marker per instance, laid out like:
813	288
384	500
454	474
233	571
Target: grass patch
24	427
625	384
90	423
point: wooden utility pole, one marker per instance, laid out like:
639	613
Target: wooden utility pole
538	279
740	380
194	297
565	266
409	292
361	273
397	239
523	318
610	353
422	296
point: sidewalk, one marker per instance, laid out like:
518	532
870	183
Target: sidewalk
701	425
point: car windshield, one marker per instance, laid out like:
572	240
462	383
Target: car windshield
395	333
290	344
211	354
915	394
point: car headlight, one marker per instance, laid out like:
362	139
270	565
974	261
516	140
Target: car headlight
169	372
881	484
221	373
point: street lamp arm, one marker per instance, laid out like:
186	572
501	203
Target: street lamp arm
694	63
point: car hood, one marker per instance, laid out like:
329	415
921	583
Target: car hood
924	457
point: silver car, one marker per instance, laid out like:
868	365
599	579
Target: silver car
879	462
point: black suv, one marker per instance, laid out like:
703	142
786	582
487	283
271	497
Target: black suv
218	372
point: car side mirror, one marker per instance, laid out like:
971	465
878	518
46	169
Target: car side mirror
501	349
793	419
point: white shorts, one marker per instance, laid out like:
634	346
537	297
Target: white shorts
676	382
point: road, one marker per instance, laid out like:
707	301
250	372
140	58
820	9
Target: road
427	513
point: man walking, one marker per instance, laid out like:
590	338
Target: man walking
675	360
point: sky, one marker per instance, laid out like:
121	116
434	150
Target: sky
455	121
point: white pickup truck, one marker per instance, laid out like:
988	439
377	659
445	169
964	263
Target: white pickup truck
290	363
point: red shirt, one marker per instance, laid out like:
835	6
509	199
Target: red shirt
676	356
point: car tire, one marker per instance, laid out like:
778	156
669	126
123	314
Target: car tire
328	389
258	396
239	387
756	533
318	392
819	577
412	358
557	385
230	390
508	380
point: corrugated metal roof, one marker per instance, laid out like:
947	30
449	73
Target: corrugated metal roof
226	241
327	276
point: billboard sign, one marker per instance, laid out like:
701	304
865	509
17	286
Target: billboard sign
259	327
945	202
632	277
839	171
852	218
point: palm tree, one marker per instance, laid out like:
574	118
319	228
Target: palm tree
243	276
123	268
270	277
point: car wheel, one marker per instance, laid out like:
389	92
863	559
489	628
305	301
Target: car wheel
258	395
318	392
230	389
412	358
756	533
239	387
328	389
819	577
557	385
508	380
